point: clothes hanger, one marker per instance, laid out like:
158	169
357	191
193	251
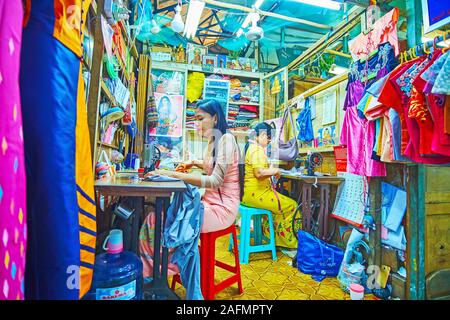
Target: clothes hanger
411	53
425	48
404	57
445	42
417	51
435	42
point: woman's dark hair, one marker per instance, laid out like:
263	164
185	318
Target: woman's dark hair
257	130
161	101
214	108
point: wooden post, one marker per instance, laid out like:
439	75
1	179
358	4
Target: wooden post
375	212
94	84
414	22
415	254
415	237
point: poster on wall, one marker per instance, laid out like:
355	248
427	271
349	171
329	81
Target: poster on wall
327	136
170	115
436	14
329	108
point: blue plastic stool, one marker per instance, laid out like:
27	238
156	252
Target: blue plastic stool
245	234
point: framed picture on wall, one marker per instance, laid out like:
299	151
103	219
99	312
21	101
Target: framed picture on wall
195	53
326	136
436	14
221	61
210	60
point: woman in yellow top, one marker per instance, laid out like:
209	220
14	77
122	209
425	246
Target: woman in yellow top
258	190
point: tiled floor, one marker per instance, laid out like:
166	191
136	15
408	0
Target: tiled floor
265	279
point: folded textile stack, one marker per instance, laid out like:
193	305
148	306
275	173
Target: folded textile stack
245	92
233	111
242	116
190	115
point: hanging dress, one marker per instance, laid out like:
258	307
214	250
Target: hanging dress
60	182
13	220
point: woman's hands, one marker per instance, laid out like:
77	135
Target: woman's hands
166	173
276	173
189	164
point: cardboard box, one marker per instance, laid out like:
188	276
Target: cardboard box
389	258
159	53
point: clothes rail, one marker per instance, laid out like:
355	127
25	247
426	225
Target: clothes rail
429	44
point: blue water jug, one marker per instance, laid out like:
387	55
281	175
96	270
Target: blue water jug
117	273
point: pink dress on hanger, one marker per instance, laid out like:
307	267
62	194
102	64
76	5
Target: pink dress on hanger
13	219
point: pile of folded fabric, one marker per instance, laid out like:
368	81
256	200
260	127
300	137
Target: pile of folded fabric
233	111
190	115
244	92
243	119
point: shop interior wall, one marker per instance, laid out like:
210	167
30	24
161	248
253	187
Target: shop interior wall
437	218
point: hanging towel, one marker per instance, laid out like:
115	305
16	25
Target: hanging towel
304	123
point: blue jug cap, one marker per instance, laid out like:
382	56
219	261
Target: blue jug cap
114	241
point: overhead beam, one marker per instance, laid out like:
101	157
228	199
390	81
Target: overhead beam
354	17
266	13
359	3
290	27
273	7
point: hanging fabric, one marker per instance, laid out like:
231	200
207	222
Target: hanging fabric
60	184
304	123
13	213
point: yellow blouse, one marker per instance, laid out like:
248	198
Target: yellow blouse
255	158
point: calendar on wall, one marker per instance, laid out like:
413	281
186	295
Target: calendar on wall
351	199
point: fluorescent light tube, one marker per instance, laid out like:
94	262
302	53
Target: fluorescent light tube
193	18
258	3
328	4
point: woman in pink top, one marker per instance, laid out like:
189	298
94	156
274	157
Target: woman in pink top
220	167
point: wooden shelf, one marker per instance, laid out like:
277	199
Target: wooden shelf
133	49
121	63
108	93
244	103
190	67
108	145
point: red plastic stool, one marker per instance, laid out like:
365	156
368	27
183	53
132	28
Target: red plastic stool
208	262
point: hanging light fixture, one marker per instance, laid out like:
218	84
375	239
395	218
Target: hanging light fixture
193	18
177	23
154	28
255	32
247	20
